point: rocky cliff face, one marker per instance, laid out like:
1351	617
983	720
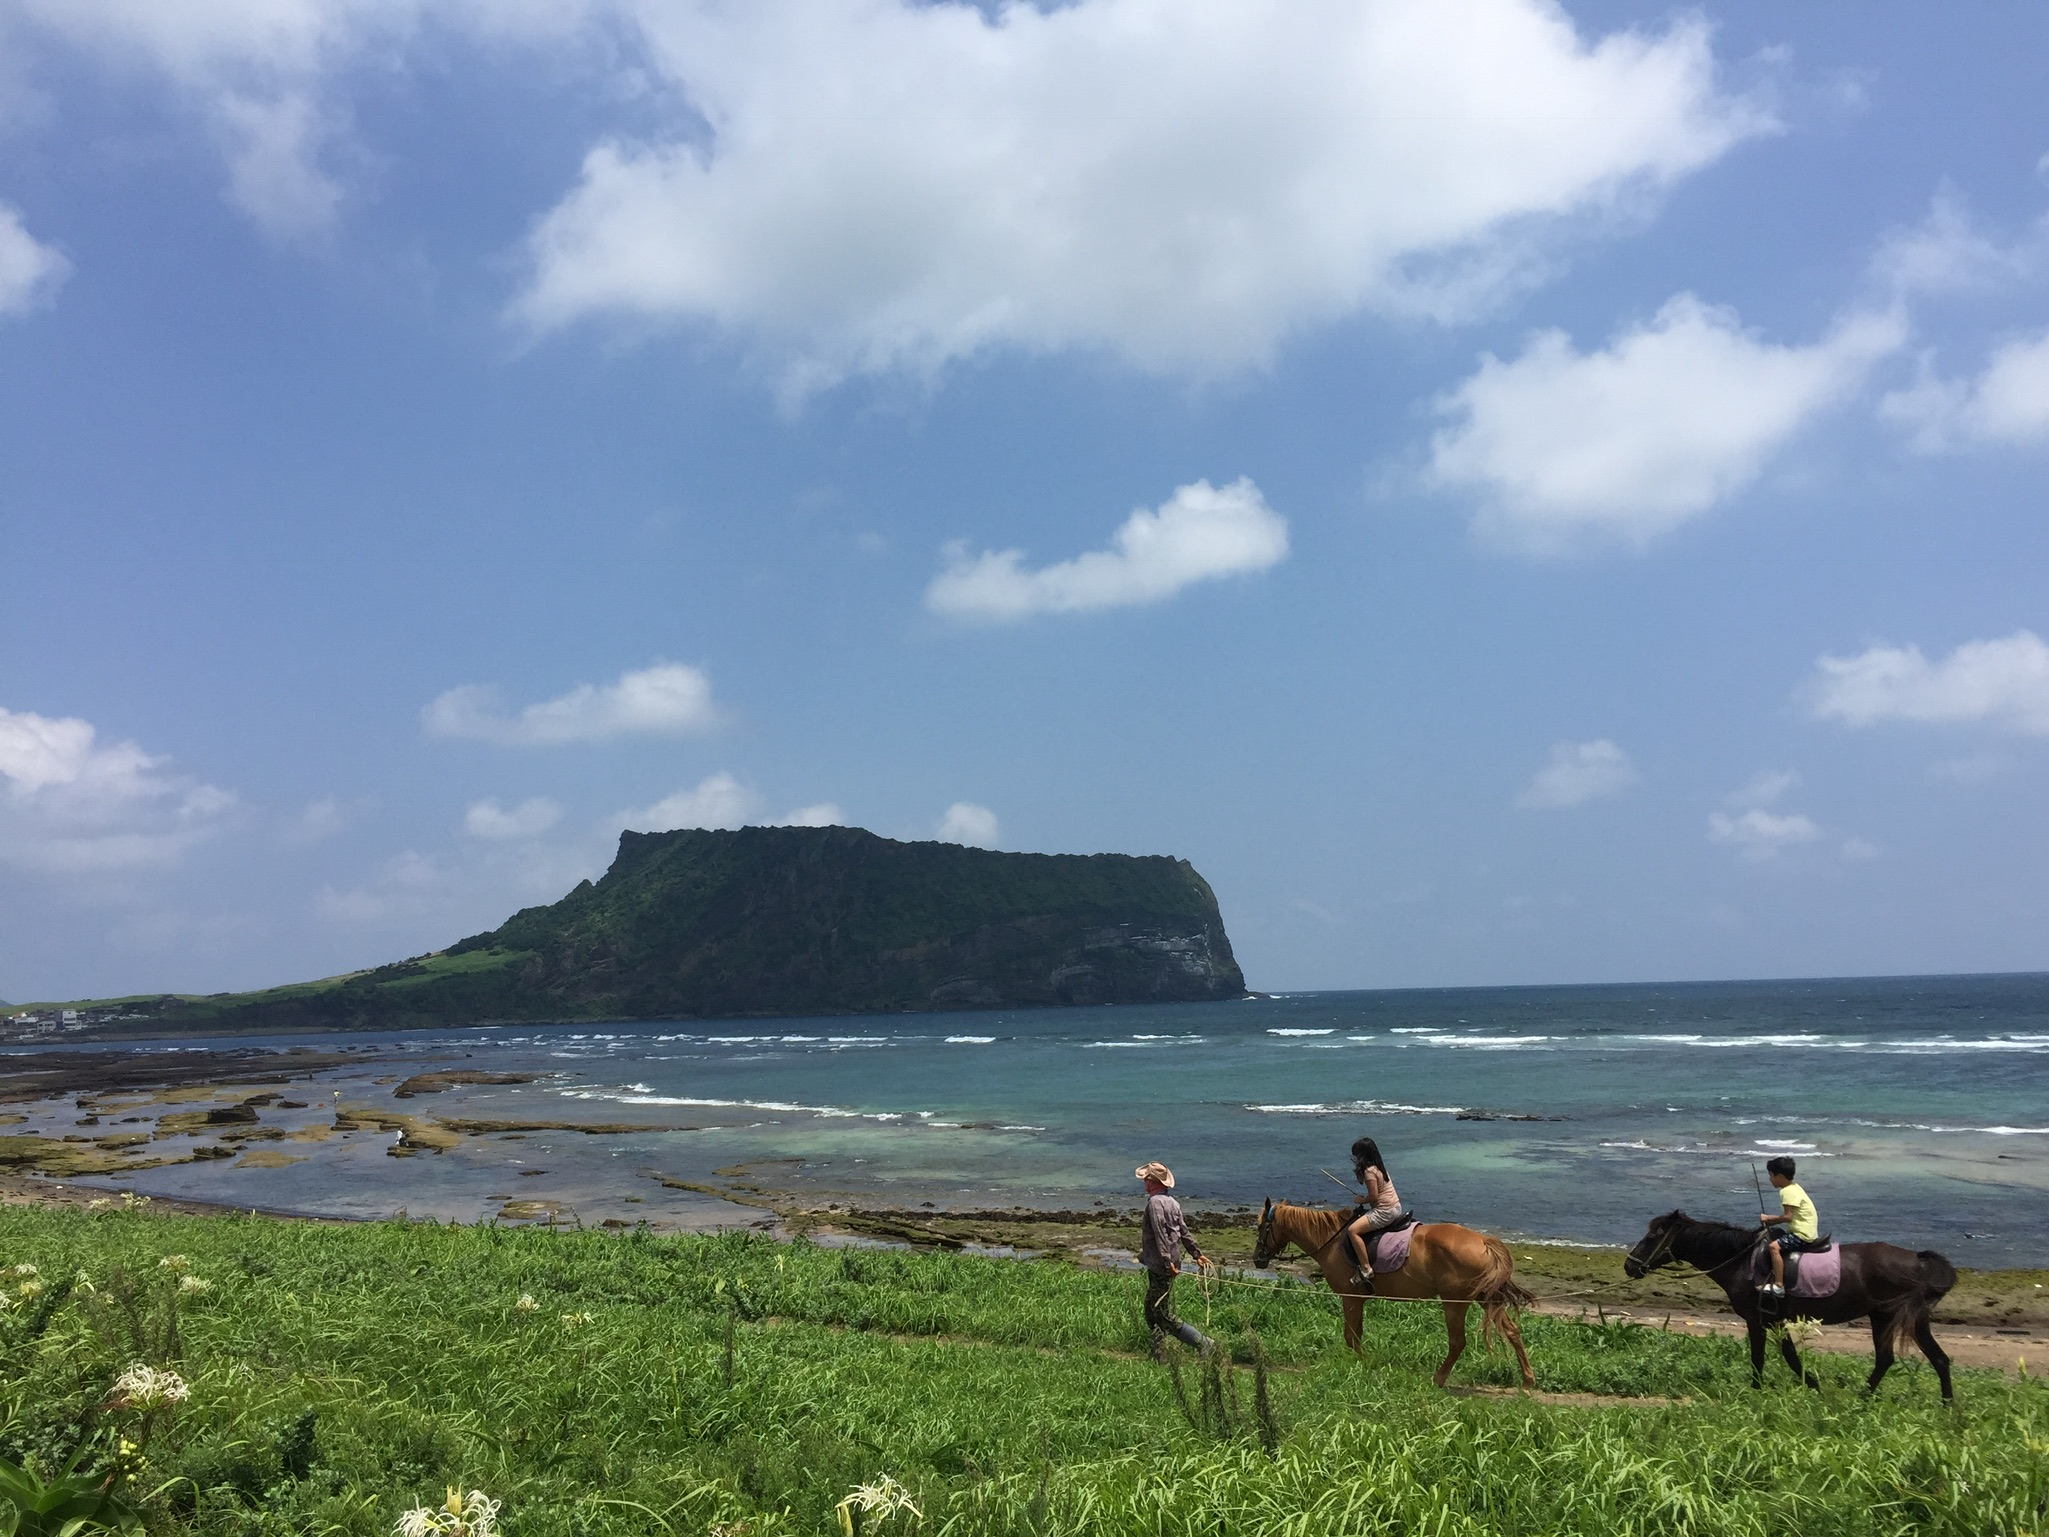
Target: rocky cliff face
793	921
835	920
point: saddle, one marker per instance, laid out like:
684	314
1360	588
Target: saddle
1401	1224
1796	1250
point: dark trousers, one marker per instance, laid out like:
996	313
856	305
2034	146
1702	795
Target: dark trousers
1159	1313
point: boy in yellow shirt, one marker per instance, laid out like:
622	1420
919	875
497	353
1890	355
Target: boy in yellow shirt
1802	1223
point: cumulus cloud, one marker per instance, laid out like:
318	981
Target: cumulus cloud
1974	768
1568	449
965	822
1765	787
1948	251
413	901
886	186
322	819
667	699
1200	533
2002	683
73	806
718	800
824	814
30	272
2007	403
1759	835
1580	772
260	73
529	819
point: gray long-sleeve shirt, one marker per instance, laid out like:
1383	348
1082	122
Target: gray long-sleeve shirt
1165	1235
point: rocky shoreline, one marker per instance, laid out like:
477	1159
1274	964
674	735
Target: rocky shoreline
130	1112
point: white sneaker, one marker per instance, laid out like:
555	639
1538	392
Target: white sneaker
1771	1289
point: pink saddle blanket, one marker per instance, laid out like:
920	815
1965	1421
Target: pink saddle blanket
1390	1251
1816	1275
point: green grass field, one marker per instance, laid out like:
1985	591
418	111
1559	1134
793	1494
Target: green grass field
340	1374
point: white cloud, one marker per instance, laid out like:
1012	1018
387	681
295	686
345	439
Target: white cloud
323	819
889	186
273	174
2007	403
259	73
965	822
1947	252
30	272
1760	835
1973	768
824	814
1859	849
1997	682
719	800
74	807
415	901
1580	772
1765	787
529	819
1569	449
1200	533
664	700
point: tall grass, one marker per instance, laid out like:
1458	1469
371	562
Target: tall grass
340	1375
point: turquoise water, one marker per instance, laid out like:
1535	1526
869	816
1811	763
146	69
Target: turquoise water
1918	1108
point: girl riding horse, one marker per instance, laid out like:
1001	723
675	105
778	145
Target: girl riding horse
1447	1263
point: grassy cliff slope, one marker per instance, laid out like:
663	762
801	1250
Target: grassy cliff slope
784	921
622	1387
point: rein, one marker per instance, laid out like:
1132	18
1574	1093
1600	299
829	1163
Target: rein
1317	1252
1663	1252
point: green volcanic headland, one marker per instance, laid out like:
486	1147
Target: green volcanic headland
770	921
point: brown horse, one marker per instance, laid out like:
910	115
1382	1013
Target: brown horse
1447	1262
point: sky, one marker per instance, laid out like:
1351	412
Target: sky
1513	492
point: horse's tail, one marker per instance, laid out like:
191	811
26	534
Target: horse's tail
1497	1290
1936	1275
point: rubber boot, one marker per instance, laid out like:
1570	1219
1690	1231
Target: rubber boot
1362	1271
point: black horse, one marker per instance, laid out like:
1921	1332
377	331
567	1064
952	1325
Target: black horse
1895	1288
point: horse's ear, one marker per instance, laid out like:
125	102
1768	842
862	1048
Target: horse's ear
1267	1210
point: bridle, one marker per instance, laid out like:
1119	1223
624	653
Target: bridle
1663	1252
1265	1235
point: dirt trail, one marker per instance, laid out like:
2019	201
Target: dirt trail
2005	1349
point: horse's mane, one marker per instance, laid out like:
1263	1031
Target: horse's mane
1708	1225
1726	1236
1323	1215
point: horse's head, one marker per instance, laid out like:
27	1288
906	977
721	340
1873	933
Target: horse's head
1265	1246
1654	1248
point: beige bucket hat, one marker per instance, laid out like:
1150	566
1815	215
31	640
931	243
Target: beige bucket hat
1158	1171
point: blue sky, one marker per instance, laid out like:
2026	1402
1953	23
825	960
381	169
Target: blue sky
1514	493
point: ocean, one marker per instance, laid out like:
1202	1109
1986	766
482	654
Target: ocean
1917	1108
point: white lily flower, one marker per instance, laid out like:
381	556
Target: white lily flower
149	1387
